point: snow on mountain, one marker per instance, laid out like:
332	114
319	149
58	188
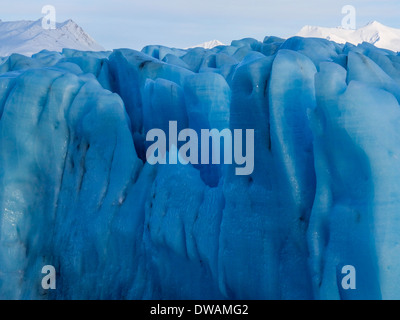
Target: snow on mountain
374	32
28	37
209	44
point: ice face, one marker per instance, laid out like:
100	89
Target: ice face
77	193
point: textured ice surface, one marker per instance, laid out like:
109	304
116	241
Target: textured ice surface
77	193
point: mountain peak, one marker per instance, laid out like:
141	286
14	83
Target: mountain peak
375	23
374	32
68	22
209	44
28	37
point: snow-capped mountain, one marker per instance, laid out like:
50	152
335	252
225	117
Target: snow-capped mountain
374	32
208	45
28	37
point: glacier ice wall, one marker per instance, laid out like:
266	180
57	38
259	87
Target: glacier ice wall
77	193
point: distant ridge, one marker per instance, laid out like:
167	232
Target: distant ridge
374	32
28	37
208	45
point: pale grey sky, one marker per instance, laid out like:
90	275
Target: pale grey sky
182	23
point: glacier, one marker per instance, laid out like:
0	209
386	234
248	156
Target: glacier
77	193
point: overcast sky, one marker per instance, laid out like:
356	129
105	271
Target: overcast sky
182	23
